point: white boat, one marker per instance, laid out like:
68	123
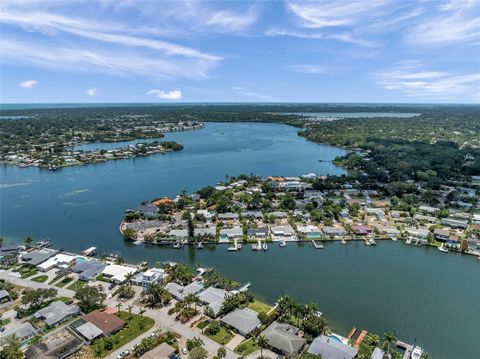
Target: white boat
344	241
283	244
443	249
176	245
200	245
90	251
372	242
394	239
265	247
409	240
232	249
239	246
416	353
254	247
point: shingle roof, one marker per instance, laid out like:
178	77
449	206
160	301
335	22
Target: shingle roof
281	337
22	331
107	323
244	320
89	331
214	297
56	312
36	257
330	348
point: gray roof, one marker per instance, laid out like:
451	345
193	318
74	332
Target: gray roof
244	320
88	269
214	297
256	214
377	354
36	257
330	348
22	331
56	312
228	215
180	292
4	294
282	337
256	231
89	331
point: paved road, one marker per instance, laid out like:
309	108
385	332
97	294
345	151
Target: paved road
165	322
35	285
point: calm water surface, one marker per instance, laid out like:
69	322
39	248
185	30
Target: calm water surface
417	292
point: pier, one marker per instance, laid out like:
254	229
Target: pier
317	245
407	347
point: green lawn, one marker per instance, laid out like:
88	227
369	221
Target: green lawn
247	347
132	330
203	324
40	278
222	337
77	285
102	278
64	282
259	306
26	271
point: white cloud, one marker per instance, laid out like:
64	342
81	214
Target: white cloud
454	23
309	69
169	95
246	92
91	91
28	84
433	85
232	21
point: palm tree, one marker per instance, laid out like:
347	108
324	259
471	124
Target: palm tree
262	343
128	277
390	338
119	306
141	311
130	307
28	242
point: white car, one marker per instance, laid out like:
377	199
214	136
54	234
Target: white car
123	354
184	351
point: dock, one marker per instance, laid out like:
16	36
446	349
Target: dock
352	333
360	337
407	347
317	245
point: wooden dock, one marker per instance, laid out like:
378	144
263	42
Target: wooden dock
360	337
352	333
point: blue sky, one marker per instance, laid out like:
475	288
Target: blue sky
212	51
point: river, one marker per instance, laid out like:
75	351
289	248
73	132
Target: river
418	292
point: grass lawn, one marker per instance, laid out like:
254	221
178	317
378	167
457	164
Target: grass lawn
132	330
247	347
77	285
26	271
102	278
64	282
203	324
259	307
222	337
40	278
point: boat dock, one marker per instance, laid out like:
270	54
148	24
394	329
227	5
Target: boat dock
317	245
360	337
236	246
352	333
407	347
244	287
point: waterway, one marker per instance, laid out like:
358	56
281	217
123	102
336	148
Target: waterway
417	292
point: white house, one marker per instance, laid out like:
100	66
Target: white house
117	273
60	260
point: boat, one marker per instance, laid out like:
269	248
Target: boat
282	244
200	245
478	258
176	245
409	240
416	353
254	247
239	246
232	249
265	247
443	249
394	239
372	242
344	241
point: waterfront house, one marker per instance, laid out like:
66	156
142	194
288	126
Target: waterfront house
309	231
24	332
214	298
88	270
178	234
117	273
454	223
420	233
244	321
205	232
441	234
230	234
257	233
283	338
56	313
179	292
331	348
361	230
334	231
60	260
37	257
149	277
285	232
149	209
377	353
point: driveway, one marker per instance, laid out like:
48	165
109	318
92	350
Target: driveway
26	283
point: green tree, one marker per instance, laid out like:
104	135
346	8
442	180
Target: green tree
221	352
12	348
198	353
28	242
36	298
196	342
262	343
90	298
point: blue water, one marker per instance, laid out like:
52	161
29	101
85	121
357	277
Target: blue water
78	207
354	114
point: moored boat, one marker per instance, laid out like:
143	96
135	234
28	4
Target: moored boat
416	353
443	249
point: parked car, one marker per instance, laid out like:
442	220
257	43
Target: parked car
184	351
123	354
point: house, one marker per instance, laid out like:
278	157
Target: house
334	231
418	232
230	234
24	332
285	232
361	230
309	231
454	223
377	212
229	216
258	233
424	218
150	276
178	233
61	345
149	209
329	348
5	296
60	260
377	353
179	292
88	270
106	323
214	298
253	214
441	234
34	258
117	273
56	313
208	215
279	215
283	338
243	320
163	351
428	210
